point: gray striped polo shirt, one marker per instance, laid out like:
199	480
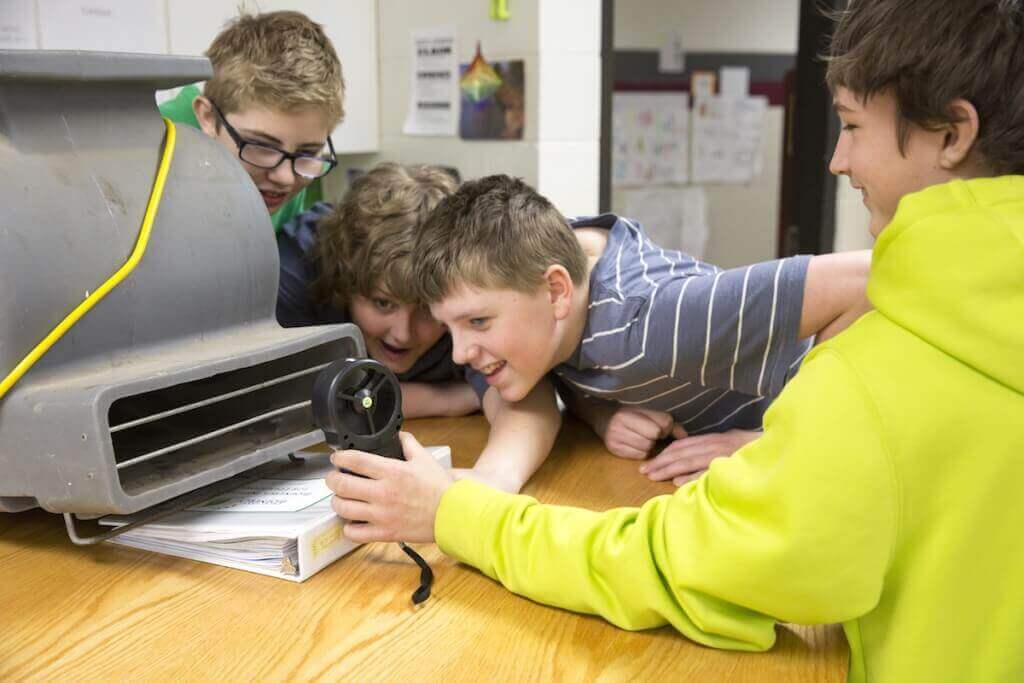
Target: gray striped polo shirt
668	332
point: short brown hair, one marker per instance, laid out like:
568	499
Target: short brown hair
282	60
366	243
494	233
928	53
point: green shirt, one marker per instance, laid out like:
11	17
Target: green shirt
179	110
885	492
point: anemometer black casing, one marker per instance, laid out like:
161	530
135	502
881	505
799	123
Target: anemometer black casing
358	404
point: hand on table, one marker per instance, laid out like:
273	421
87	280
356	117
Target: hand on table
633	432
687	458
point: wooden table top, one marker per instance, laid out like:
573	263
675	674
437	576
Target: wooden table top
115	613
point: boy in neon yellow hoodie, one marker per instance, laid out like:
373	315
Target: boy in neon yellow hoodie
886	490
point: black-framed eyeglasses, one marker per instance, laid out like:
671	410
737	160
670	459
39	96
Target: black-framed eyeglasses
264	156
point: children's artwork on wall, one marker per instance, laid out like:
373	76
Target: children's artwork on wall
727	139
649	138
478	81
492	100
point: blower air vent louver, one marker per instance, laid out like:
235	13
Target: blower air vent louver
165	434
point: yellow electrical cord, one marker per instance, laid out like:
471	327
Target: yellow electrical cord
114	280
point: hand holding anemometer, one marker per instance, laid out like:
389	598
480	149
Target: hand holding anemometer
358	404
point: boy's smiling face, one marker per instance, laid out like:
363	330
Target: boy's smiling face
297	131
510	337
868	153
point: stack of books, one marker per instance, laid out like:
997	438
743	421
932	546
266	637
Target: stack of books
277	521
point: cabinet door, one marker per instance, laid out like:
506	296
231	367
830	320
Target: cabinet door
103	25
350	24
19	28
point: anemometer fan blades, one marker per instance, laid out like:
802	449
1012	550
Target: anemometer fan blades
358	404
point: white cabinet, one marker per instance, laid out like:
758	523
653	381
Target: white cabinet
103	25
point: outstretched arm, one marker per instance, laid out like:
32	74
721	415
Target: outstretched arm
834	293
763	536
745	329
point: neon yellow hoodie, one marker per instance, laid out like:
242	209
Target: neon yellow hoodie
887	491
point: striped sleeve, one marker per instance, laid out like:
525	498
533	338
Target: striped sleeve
735	329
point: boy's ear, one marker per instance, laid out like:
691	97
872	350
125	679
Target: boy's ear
960	136
560	288
205	115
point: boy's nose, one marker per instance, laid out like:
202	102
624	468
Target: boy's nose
463	352
838	164
401	328
283	174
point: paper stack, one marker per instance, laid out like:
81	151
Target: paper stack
278	521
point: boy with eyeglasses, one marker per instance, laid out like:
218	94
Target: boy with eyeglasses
275	95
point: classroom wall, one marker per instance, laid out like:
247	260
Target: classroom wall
708	25
560	45
743	218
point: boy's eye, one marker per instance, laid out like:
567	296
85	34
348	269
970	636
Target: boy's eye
849	126
477	322
385	305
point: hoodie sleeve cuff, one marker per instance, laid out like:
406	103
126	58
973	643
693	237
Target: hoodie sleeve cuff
460	527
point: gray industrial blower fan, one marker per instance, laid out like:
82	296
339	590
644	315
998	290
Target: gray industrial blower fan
179	376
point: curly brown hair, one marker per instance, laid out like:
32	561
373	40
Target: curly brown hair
366	244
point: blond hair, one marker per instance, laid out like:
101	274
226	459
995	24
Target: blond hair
281	60
493	233
366	244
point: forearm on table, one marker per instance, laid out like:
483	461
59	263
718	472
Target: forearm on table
438	399
520	438
595	414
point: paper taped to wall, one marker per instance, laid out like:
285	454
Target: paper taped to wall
650	138
434	85
727	139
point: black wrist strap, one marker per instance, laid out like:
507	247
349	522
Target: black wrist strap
426	575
